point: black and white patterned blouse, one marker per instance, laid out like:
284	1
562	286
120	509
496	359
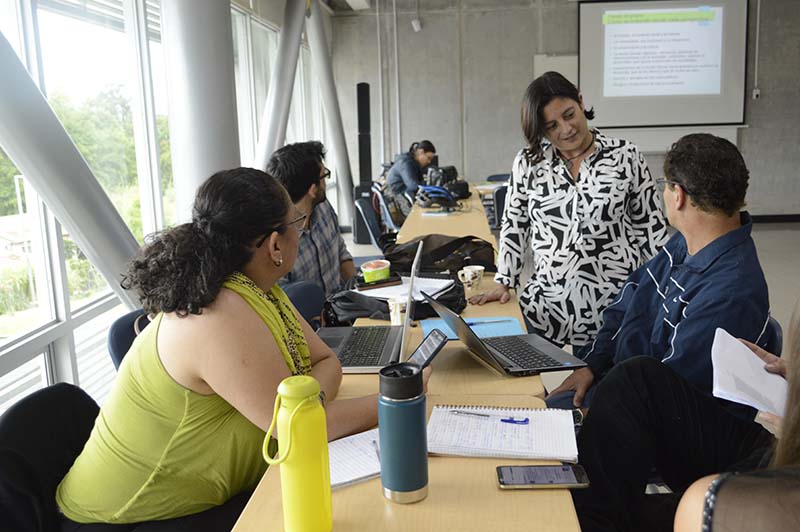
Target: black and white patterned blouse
587	234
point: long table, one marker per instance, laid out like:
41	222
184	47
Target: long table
463	493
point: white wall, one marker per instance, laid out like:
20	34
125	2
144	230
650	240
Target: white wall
462	79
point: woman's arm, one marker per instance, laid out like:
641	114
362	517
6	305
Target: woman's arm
647	218
515	230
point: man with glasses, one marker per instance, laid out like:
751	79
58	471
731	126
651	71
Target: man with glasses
706	276
322	255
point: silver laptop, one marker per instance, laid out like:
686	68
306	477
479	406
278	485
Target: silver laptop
368	349
519	355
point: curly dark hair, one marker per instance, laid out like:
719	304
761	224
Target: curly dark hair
540	92
182	269
297	166
711	171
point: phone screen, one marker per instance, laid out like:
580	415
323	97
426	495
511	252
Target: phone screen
431	345
538	475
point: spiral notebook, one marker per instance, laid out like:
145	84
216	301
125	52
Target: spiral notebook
541	434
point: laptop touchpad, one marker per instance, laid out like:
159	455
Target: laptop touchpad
333	341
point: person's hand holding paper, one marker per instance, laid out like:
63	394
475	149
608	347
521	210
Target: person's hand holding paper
758	381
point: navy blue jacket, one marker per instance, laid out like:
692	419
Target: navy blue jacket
405	175
670	307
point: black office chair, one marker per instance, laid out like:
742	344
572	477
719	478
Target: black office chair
494	178
122	333
773	337
308	298
40	437
370	218
386	214
499	204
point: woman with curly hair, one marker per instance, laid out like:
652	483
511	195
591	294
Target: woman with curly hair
183	427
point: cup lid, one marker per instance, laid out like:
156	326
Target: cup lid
401	381
298	387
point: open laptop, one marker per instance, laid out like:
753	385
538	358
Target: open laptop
520	355
368	349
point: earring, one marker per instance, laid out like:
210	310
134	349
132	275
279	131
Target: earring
278	263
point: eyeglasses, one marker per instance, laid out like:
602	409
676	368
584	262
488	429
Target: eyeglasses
325	175
294	222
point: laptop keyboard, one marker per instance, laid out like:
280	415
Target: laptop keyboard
521	353
364	347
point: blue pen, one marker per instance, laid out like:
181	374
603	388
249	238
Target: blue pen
511	420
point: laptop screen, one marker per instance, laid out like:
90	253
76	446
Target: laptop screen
415	266
464	333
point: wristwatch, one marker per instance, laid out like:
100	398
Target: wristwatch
322	398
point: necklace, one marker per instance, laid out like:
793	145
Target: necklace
569	161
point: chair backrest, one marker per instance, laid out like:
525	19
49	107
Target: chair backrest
498	177
40	437
386	214
773	337
370	218
122	333
499	201
308	298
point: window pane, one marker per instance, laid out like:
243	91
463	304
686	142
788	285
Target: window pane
96	372
9	24
241	71
25	301
265	47
22	381
88	87
159	75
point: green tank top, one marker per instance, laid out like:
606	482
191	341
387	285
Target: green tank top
159	450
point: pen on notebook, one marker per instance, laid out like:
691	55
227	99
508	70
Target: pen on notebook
510	420
377	449
472	323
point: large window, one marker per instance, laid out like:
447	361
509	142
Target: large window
55	308
100	64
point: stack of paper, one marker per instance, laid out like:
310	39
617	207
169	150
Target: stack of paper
400	291
739	376
354	458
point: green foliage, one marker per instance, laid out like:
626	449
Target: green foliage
8	195
84	280
15	290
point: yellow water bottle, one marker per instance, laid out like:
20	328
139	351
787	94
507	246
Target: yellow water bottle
302	455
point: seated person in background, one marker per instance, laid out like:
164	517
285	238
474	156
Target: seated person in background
706	276
322	255
183	427
405	175
645	415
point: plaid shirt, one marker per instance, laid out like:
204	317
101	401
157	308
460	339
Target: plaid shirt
321	251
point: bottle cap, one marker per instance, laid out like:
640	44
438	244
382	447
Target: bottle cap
298	387
401	381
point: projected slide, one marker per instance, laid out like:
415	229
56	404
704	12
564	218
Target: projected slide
662	52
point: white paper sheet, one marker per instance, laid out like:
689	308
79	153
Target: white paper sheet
354	458
739	376
400	291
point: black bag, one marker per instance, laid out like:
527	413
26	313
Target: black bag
344	307
442	252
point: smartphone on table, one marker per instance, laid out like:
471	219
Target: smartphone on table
428	349
541	476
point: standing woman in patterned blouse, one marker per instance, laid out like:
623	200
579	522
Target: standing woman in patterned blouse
585	204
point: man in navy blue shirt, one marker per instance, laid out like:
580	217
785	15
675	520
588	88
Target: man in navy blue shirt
706	276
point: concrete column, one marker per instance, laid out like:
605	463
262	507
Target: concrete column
272	133
323	71
203	133
37	143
